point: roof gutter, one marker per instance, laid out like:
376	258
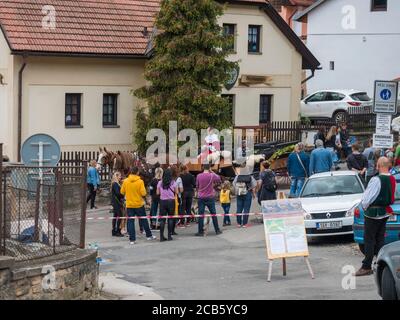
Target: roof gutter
78	55
20	82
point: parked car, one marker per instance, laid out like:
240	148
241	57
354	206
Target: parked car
393	223
387	271
329	200
334	104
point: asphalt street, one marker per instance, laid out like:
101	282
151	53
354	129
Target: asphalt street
229	266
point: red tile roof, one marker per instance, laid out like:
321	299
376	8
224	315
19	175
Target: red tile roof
113	27
102	27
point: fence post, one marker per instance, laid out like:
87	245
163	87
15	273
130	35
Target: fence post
83	207
59	206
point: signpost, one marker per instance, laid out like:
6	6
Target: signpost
385	105
285	232
385	98
40	150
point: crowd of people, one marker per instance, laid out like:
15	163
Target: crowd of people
173	192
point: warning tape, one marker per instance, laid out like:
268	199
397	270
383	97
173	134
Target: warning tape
161	217
176	217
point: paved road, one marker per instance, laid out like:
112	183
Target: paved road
230	266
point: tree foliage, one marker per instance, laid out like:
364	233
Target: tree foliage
187	71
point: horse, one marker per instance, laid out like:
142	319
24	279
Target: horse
123	162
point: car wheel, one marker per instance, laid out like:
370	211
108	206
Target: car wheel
361	247
340	117
388	285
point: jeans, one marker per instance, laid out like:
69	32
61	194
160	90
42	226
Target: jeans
187	202
227	208
154	210
243	204
296	185
374	239
92	195
116	222
137	212
210	204
167	208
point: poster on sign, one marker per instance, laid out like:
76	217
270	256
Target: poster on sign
383	141
383	123
284	228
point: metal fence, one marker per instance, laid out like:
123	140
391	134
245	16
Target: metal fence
43	211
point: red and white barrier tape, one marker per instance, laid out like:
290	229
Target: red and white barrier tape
173	217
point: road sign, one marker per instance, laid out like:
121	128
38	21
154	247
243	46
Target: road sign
383	141
41	150
385	98
383	123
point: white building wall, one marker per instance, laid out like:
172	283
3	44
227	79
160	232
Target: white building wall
364	49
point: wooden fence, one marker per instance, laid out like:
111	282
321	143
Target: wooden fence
287	131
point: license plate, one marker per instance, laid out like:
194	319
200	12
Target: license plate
392	218
329	225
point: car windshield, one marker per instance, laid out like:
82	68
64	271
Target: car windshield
331	186
361	96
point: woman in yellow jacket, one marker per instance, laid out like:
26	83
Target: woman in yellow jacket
134	191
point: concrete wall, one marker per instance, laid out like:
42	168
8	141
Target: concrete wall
362	54
278	60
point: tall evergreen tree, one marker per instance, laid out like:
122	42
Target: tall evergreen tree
187	71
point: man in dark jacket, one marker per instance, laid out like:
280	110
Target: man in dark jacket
376	201
357	161
298	167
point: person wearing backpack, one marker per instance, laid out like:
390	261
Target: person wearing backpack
245	187
267	184
298	167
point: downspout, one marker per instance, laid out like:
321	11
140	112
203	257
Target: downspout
20	78
310	77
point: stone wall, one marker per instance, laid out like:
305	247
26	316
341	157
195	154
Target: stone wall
68	276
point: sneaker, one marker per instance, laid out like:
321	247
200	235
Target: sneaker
187	225
199	234
218	232
246	226
132	242
239	226
151	238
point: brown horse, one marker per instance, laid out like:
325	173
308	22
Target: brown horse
123	162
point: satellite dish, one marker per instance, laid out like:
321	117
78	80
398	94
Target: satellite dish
41	150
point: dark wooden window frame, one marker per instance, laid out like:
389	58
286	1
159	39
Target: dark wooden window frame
251	36
106	111
232	100
375	7
265	115
68	110
234	26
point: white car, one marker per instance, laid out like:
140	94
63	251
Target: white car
334	104
329	200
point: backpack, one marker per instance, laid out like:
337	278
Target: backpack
269	182
243	184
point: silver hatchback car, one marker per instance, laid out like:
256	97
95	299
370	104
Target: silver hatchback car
387	271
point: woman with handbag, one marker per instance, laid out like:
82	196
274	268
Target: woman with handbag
117	200
298	167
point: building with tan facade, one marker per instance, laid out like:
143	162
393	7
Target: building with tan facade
69	70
